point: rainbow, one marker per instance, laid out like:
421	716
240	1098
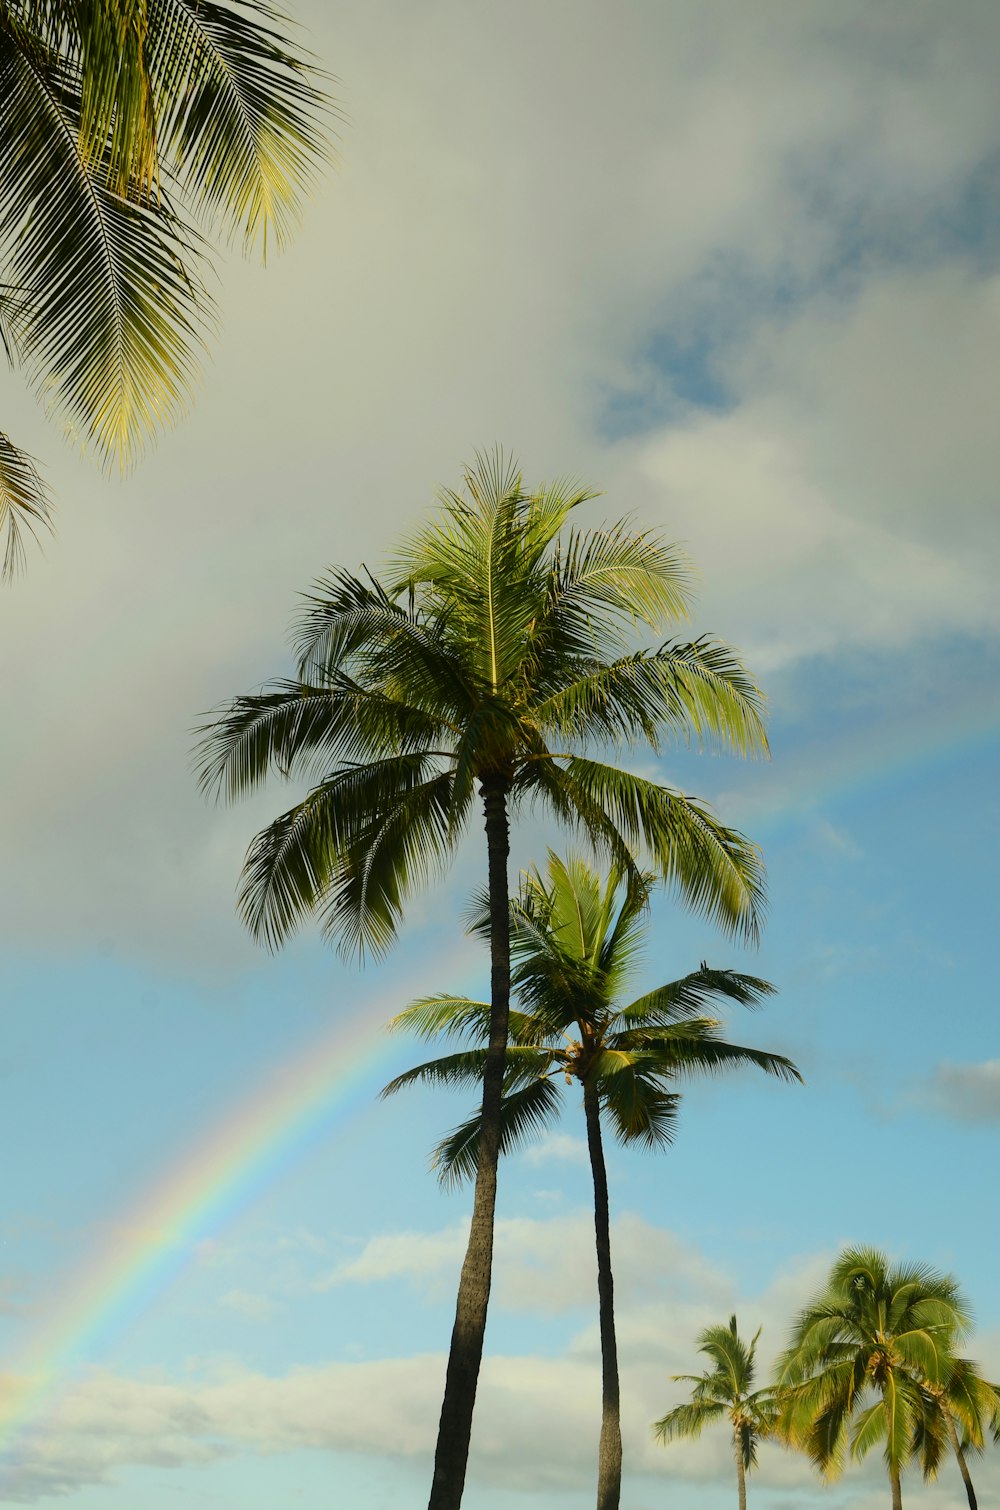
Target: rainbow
314	1092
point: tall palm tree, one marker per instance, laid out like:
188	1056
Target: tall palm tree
725	1392
496	652
574	942
862	1355
957	1411
120	120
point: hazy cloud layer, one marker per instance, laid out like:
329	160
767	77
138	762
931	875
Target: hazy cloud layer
533	1412
732	265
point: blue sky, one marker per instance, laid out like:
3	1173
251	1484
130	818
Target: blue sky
737	266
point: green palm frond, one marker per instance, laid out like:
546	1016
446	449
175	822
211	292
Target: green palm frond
240	111
638	1108
689	996
352	850
523	1114
522	1067
688	1420
298	729
24	504
112	316
698	688
695	1048
717	871
613	574
458	1016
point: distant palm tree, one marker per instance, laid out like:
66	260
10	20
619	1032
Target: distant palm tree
725	1392
500	650
878	1330
120	122
575	939
957	1412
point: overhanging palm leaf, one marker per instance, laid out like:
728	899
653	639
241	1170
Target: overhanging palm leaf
121	120
24	504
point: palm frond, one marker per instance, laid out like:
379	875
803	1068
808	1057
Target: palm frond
717	870
299	729
698	688
640	1111
689	996
112	317
24	504
352	850
242	113
523	1113
688	1420
521	1067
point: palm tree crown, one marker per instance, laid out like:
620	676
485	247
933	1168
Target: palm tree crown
120	121
497	651
878	1330
725	1392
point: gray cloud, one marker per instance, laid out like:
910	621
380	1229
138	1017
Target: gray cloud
480	271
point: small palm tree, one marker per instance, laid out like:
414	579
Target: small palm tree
575	940
499	651
957	1411
863	1355
121	122
725	1392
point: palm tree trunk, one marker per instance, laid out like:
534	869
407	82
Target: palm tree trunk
897	1489
455	1426
963	1465
609	1454
741	1477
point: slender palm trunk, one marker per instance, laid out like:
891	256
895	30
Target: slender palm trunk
962	1464
609	1454
897	1489
741	1477
455	1426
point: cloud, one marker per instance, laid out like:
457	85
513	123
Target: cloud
523	277
965	1092
556	1148
248	1304
533	1410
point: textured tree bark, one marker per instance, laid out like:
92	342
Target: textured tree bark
609	1452
962	1464
897	1489
455	1426
741	1477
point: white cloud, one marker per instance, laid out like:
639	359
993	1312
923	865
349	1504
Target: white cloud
556	1148
536	1416
966	1092
248	1304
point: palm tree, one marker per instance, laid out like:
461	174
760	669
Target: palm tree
878	1330
963	1402
574	943
494	655
726	1392
119	121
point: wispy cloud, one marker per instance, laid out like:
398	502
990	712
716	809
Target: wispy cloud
964	1092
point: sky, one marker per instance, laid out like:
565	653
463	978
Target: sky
737	266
